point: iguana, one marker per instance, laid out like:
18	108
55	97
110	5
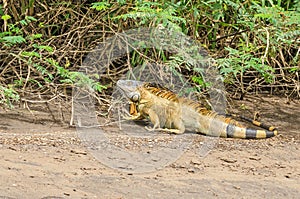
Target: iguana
170	113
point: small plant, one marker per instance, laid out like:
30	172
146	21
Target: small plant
240	61
8	96
14	34
153	13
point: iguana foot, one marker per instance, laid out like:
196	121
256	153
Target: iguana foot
164	130
174	131
131	117
148	128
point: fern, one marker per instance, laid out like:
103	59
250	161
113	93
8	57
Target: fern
35	36
152	12
8	95
12	40
14	35
43	71
78	78
240	61
201	82
27	20
99	6
30	54
43	47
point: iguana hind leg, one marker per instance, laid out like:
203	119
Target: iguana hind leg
174	125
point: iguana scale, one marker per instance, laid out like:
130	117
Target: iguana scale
174	114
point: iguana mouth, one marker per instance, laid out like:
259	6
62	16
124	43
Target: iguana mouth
133	109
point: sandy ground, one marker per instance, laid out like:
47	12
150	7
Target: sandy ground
42	159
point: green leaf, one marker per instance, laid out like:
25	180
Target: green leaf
294	69
100	5
31	54
1	10
11	40
98	87
2	34
6	17
121	2
43	71
8	96
42	47
53	62
30	19
23	22
36	82
35	36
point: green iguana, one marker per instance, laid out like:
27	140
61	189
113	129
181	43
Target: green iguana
170	113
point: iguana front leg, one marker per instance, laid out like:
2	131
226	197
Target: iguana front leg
154	118
134	114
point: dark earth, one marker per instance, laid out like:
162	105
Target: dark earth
42	158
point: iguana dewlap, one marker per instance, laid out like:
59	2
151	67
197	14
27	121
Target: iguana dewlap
174	114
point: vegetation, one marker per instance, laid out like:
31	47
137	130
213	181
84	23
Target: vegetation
43	43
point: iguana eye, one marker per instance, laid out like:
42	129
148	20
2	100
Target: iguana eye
135	98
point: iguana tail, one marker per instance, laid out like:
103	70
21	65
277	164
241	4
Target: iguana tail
212	123
247	133
230	128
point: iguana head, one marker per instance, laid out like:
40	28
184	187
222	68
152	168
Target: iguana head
137	91
129	88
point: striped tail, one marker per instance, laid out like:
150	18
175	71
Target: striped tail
233	131
230	128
